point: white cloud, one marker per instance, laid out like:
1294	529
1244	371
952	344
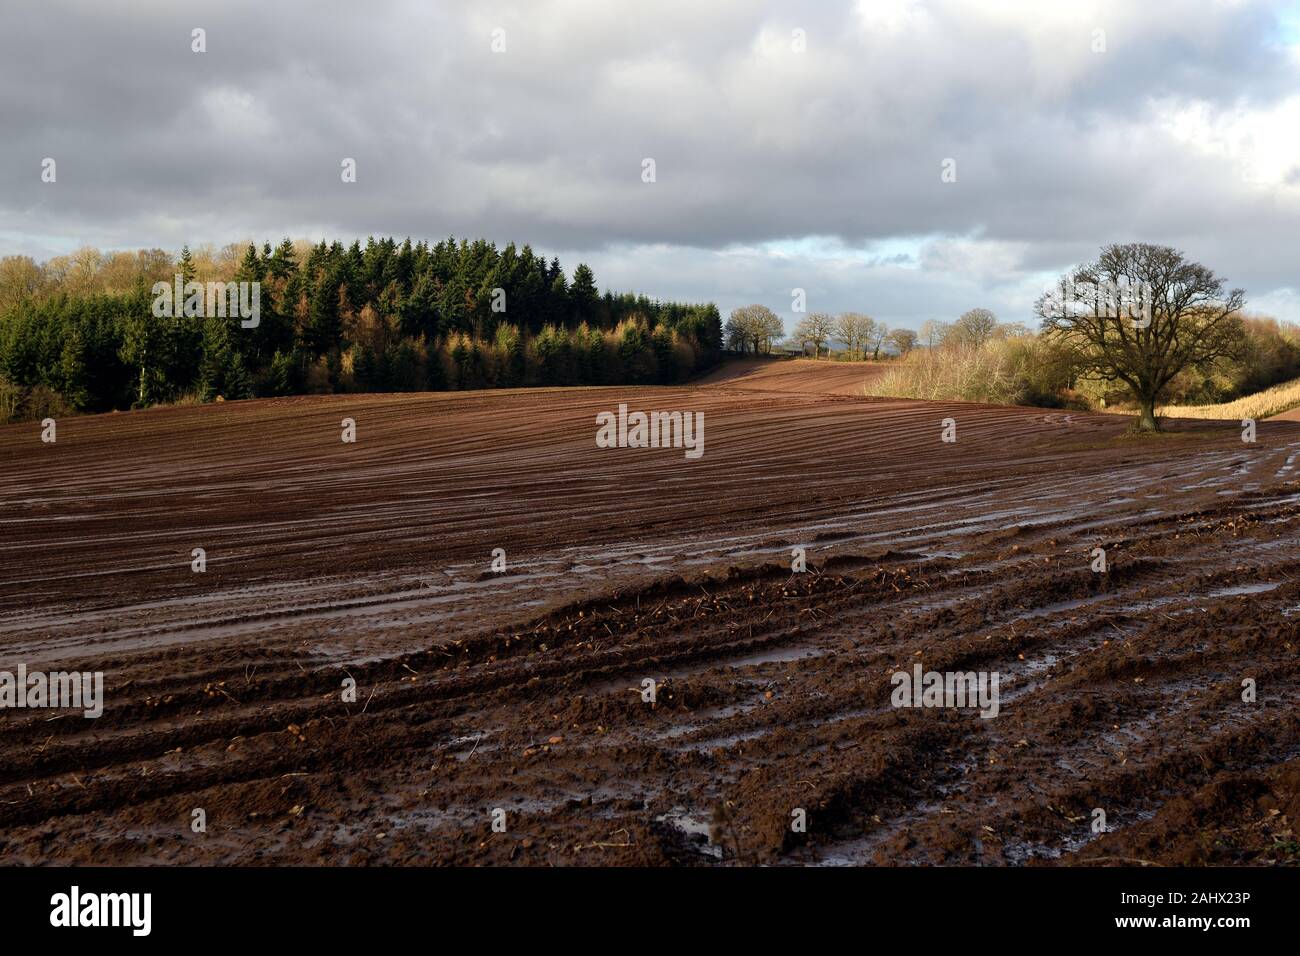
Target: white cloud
1261	143
821	166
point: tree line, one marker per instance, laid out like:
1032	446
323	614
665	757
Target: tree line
757	329
79	332
1140	325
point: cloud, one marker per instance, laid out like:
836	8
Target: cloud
777	166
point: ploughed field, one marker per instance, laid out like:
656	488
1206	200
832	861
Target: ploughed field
522	691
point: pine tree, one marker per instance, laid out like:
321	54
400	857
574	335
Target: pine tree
583	295
419	312
187	269
222	372
250	268
557	305
73	380
282	376
284	263
434	306
141	340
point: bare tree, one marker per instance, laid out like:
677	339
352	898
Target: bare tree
817	328
852	328
932	331
903	339
20	278
1140	314
1011	330
976	326
735	334
770	328
876	338
752	326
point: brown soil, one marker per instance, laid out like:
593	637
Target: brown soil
813	376
522	691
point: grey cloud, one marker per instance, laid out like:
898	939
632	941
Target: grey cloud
1058	149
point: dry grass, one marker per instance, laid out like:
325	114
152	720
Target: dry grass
962	374
1272	401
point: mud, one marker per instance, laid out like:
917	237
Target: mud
523	691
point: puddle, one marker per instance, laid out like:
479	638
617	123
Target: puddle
776	657
1245	589
698	832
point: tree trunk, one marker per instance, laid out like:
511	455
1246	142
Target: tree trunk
1146	420
144	360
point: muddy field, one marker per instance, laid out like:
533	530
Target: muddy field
523	691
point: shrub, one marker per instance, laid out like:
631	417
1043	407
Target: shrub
1022	370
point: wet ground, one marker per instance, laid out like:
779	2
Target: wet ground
520	697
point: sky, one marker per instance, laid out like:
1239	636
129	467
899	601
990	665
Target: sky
909	159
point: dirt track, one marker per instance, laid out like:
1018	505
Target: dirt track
521	691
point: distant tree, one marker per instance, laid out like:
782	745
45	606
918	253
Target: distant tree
419	311
282	376
77	273
142	338
903	339
222	372
770	328
853	329
735	335
185	265
876	338
382	314
975	327
704	324
73	377
817	328
324	317
933	331
583	294
753	327
283	262
1140	314
250	266
557	307
20	278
